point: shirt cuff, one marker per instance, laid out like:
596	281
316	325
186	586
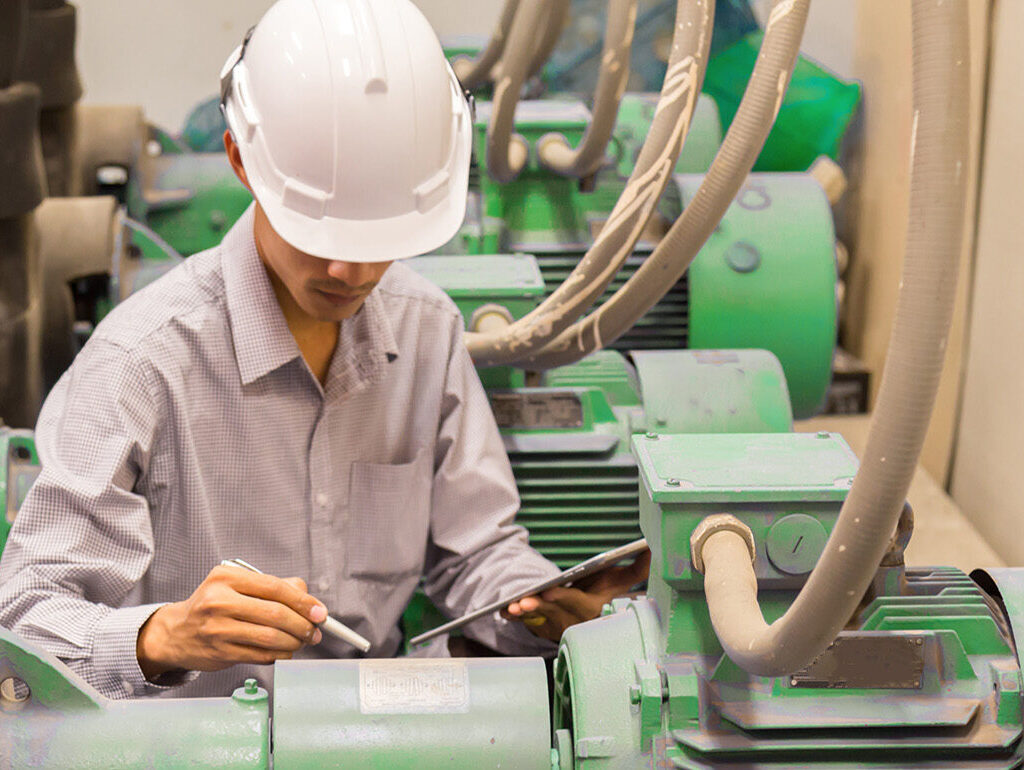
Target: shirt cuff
114	654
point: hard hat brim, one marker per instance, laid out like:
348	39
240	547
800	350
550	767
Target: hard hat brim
377	240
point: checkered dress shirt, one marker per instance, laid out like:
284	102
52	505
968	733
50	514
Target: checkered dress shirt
189	430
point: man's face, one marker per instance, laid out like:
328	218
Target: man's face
325	289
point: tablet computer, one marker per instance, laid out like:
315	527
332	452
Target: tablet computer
583	569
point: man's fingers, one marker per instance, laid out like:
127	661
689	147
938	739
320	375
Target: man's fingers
581	604
260	586
297	582
275	615
265	637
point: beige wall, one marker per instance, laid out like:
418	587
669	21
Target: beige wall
880	202
166	56
988	474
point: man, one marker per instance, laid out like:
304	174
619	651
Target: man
290	398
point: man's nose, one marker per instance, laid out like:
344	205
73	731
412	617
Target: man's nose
352	273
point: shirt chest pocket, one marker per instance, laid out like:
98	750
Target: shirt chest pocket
389	518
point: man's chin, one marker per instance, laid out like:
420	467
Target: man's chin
326	308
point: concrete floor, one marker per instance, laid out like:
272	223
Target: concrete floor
943	536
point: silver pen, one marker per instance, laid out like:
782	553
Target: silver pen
330	626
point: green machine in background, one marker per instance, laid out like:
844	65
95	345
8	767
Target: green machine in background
567	433
19	467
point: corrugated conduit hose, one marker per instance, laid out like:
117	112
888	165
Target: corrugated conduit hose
732	164
643	190
553	149
913	367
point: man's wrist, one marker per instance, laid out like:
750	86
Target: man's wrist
151	646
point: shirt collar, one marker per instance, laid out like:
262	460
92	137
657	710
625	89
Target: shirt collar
263	342
262	339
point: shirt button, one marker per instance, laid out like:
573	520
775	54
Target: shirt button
323	584
322	500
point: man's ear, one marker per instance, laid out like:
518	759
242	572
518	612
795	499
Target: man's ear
235	159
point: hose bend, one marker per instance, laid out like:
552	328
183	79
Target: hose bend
732	164
643	190
553	150
913	367
507	154
473	73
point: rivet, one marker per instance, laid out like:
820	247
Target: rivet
672	482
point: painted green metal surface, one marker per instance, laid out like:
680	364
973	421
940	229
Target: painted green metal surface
512	282
713	391
63	722
189	199
412	713
766	279
19	467
745	468
636	114
925	675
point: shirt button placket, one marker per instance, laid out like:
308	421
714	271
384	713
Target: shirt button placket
320	524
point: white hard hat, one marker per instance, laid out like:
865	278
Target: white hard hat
354	132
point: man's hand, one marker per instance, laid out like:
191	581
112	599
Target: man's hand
549	614
234	616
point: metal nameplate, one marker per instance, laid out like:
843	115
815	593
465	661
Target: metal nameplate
525	411
865	662
413	687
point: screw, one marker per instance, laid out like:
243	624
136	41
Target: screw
652	435
672	482
824	434
251	687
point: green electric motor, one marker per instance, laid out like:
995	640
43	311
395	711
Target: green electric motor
925	674
374	714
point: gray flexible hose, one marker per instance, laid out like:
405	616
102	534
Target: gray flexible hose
553	149
558	16
643	190
507	153
473	73
912	370
732	164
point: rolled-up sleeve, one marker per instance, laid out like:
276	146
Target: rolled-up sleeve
477	554
83	538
